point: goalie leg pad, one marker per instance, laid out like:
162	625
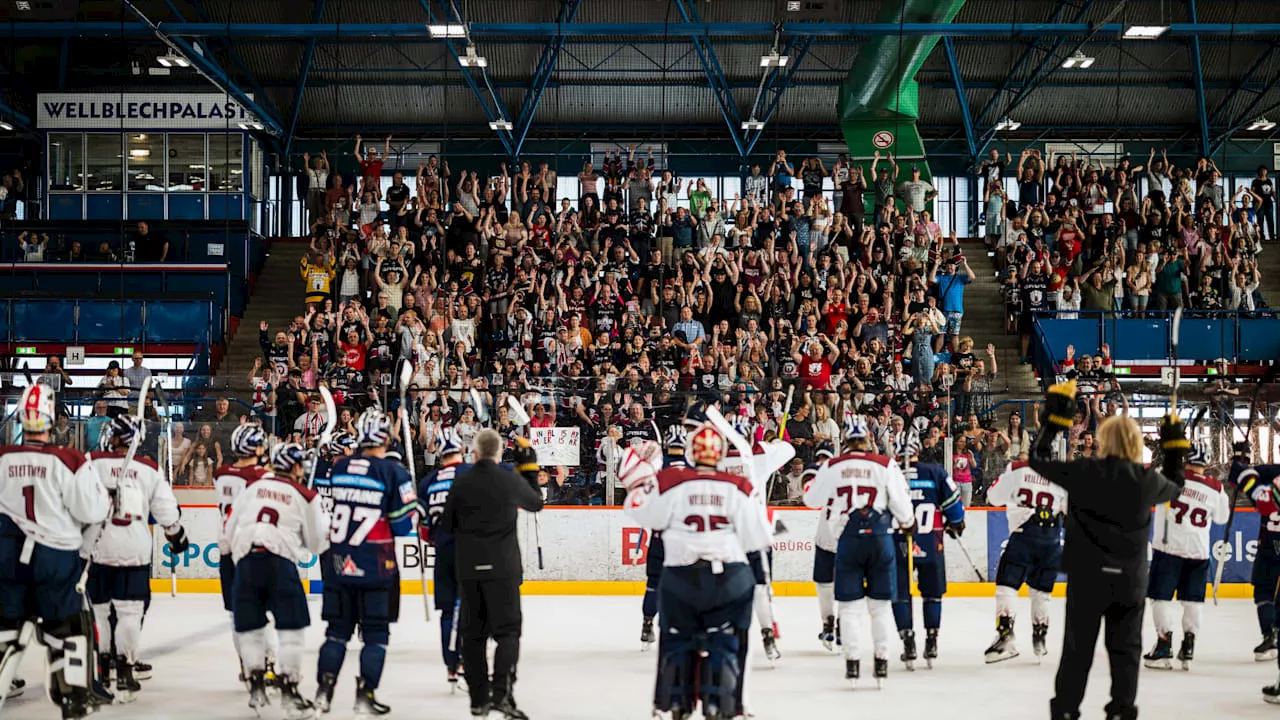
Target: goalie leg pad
677	671
720	671
70	657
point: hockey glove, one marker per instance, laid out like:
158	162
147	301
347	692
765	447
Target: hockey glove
955	529
526	458
1057	416
1173	441
178	542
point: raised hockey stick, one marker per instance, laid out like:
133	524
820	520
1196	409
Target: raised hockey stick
406	374
782	429
1174	327
330	422
166	465
124	468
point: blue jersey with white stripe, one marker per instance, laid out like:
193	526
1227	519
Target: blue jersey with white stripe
936	499
373	501
432	496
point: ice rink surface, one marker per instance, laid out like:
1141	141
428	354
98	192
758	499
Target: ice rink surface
581	659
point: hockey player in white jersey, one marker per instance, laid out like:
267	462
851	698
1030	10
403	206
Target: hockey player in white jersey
861	494
766	460
248	444
47	494
824	561
1034	509
709	522
1180	558
275	523
120	547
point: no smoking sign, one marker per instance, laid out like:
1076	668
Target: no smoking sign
882	139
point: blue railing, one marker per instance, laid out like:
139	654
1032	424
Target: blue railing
106	321
1203	336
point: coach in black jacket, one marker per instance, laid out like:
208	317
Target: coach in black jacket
481	515
1105	557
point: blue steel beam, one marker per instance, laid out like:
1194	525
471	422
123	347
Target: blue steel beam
715	76
777	85
542	75
1243	84
1197	78
1017	67
308	56
234	55
728	30
211	71
495	111
970	134
1249	115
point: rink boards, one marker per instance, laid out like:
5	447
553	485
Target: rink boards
600	551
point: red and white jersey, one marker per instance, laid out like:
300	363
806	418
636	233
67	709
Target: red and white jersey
703	515
1022	491
139	492
855	481
51	493
280	516
228	482
1182	526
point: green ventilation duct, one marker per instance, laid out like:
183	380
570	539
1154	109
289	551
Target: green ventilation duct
879	102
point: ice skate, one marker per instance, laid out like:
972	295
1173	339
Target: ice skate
480	711
324	693
930	647
1160	657
1271	693
273	680
504	703
1187	652
1003	648
908	648
142	671
16	688
881	671
1039	638
367	705
852	671
1266	650
828	634
295	706
647	637
258	690
127	686
770	645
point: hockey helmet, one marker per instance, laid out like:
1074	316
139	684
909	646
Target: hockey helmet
286	457
706	446
824	452
742	425
1199	454
676	436
121	431
448	442
907	445
248	440
37	408
373	428
340	443
855	428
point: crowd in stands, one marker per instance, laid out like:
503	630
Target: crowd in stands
609	312
1080	237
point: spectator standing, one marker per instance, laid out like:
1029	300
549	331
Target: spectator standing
136	374
812	173
115	389
317	183
1264	186
916	192
756	186
782	173
951	273
94	423
12	189
1168	280
885	183
371	166
33	246
148	246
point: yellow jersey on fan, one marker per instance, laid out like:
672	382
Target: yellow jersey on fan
318	279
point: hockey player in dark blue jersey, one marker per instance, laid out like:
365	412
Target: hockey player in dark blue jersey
374	500
674	457
342	444
1256	482
432	496
936	501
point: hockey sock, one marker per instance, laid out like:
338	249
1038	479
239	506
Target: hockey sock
1039	606
332	653
763	607
1191	616
932	613
850	626
289	653
1005	598
1162	616
102	624
273	640
1267	617
129	627
253	649
650	605
826	600
902	611
446	633
372	658
881	626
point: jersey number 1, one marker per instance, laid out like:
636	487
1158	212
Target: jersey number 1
29	499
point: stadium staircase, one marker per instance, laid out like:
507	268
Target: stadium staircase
984	322
277	298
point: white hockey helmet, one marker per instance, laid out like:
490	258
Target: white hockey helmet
37	408
1199	454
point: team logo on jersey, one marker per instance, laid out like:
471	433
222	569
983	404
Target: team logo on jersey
408	495
635	546
349	568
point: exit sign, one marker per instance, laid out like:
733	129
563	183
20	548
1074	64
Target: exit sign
123	351
24	351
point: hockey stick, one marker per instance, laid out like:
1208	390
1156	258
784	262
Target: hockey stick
782	429
331	421
406	374
964	551
1174	327
166	463
124	468
1222	549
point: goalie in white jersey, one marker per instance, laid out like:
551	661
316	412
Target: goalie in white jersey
1034	509
275	524
47	494
1180	558
120	548
860	495
709	521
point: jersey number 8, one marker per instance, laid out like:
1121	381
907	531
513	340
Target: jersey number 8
343	515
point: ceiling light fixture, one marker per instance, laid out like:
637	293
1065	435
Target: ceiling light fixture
1006	125
251	126
172	59
501	125
1262	124
471	59
752	124
139	153
1144	32
773	59
5	126
1078	61
447	31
